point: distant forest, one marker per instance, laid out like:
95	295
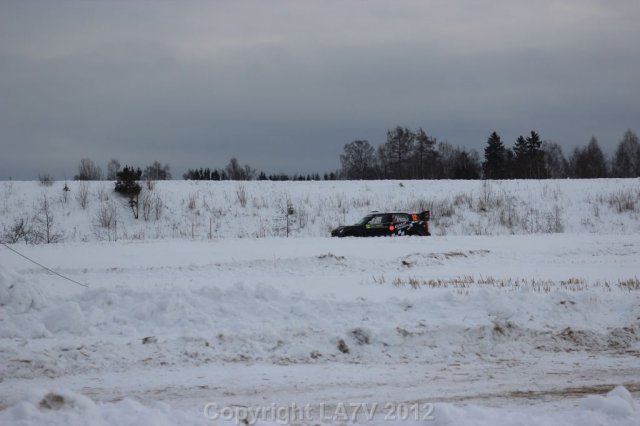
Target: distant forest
416	155
408	154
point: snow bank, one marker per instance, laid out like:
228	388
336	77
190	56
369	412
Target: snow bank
63	407
616	408
30	312
17	296
248	322
618	404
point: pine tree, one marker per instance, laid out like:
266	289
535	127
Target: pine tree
529	157
127	185
521	160
535	156
494	166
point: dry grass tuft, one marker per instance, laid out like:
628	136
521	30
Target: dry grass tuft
466	282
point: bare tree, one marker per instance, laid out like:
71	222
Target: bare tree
626	160
152	206
397	150
235	171
358	160
466	164
112	169
249	172
87	170
156	171
447	156
44	228
83	195
554	160
424	155
588	162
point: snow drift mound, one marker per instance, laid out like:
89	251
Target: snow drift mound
18	296
119	328
20	301
615	408
618	404
63	407
26	311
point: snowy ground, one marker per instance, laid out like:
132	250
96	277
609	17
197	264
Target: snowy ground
447	330
523	308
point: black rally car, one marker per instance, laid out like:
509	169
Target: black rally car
379	224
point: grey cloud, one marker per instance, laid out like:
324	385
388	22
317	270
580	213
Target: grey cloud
284	86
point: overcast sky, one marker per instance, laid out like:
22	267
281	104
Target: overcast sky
283	85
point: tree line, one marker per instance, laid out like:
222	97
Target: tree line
234	170
88	170
406	154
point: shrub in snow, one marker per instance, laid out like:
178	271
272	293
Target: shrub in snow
82	196
107	221
19	230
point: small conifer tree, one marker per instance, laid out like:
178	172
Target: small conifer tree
128	186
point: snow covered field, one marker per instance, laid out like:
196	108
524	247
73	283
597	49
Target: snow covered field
208	210
512	326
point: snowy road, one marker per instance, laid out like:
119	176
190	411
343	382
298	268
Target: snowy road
496	382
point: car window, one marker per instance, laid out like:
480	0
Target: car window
375	220
399	218
364	220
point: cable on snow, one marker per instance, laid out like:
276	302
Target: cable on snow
44	267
